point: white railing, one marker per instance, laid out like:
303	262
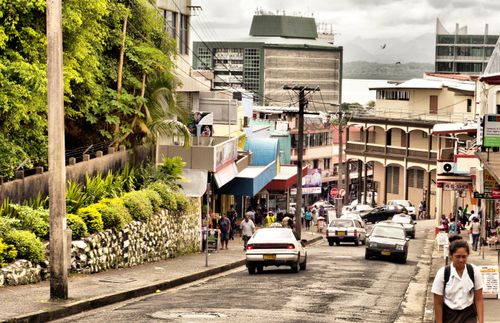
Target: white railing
406	114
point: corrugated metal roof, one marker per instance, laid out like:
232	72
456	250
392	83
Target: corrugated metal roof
429	84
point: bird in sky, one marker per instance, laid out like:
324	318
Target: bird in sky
398	63
383	46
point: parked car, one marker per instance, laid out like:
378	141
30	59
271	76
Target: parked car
345	230
407	222
275	247
381	213
407	205
360	209
387	240
353	216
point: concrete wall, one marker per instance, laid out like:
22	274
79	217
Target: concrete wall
30	186
418	141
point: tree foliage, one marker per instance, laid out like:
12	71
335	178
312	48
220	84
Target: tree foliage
94	111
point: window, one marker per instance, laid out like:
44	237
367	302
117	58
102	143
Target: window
393	95
170	23
183	36
416	178
433	104
393	179
469	105
315	163
326	163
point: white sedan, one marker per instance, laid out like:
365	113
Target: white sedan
275	247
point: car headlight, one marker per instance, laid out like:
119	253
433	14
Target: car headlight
399	247
373	245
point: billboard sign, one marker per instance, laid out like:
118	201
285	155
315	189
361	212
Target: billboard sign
201	124
491	131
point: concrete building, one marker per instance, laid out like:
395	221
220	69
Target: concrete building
397	141
458	52
279	50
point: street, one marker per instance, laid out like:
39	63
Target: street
339	285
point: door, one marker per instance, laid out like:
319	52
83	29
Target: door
433	104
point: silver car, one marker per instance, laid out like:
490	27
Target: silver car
275	247
345	230
387	240
407	222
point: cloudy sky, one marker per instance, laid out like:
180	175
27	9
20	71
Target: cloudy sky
359	25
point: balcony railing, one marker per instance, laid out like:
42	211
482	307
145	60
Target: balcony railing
406	114
357	148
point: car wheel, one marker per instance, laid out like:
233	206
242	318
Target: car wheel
295	267
363	242
403	259
260	269
251	269
367	255
356	242
337	243
304	264
330	243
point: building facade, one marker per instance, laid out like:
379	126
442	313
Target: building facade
280	50
459	52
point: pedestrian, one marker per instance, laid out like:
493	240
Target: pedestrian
232	216
247	228
452	227
458	289
269	219
465	218
225	229
475	231
444	223
420	210
250	213
308	217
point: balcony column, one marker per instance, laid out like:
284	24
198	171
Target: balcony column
385	184
347	181
428	194
405	170
439	188
429	146
360	179
365	183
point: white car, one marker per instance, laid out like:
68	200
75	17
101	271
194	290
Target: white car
345	230
275	247
353	216
406	204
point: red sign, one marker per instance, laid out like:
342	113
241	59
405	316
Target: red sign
342	192
334	191
495	193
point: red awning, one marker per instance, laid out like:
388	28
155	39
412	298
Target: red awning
286	178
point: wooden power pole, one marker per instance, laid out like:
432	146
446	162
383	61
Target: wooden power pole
57	170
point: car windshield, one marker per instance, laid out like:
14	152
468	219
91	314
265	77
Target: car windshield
273	233
401	219
401	202
341	223
385	231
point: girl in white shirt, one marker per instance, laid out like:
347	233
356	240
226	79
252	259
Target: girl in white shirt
460	299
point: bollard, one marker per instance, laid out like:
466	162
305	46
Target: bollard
86	157
98	154
38	170
111	150
19	174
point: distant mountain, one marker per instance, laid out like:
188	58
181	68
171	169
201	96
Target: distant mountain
380	71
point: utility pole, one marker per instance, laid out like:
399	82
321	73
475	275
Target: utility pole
57	170
340	200
300	152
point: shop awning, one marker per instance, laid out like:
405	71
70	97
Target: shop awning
195	183
491	164
225	174
450	128
286	178
250	181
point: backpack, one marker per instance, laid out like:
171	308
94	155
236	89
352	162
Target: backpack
447	273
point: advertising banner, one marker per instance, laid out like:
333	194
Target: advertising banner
201	124
490	281
491	131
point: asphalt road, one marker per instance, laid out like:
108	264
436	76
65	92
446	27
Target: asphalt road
339	285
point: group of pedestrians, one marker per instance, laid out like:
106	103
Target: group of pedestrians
462	220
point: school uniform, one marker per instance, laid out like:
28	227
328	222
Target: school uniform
459	294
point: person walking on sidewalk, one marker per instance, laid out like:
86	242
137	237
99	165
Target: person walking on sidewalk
458	289
475	230
247	229
225	229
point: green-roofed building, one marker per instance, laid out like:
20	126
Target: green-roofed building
279	50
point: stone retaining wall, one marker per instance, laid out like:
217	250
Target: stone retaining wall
167	235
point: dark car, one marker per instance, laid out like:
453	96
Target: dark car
387	240
407	222
382	213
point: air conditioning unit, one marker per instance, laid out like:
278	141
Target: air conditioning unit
446	167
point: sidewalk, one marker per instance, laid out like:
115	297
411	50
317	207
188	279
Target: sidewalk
491	306
30	303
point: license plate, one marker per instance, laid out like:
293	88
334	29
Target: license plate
341	233
386	253
269	257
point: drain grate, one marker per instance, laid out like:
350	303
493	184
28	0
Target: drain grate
187	315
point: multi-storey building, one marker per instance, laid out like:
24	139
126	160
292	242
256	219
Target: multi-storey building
398	142
459	52
280	50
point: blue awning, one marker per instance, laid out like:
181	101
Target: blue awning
261	171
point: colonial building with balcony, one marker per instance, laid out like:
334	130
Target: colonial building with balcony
397	142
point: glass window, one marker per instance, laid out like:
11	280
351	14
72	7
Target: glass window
387	231
393	179
170	23
183	36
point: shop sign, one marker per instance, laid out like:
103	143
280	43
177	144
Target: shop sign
306	190
490	281
489	182
455	186
491	131
226	152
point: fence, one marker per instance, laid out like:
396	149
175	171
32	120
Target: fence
27	187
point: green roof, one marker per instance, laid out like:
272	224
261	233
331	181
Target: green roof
283	26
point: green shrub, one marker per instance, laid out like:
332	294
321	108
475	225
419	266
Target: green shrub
114	213
7	224
139	205
154	198
77	226
167	195
75	196
7	253
92	218
28	245
182	201
6	209
36	221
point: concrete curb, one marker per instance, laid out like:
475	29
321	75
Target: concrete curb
414	303
65	310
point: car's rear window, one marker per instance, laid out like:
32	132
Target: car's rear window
279	233
388	232
341	223
401	219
